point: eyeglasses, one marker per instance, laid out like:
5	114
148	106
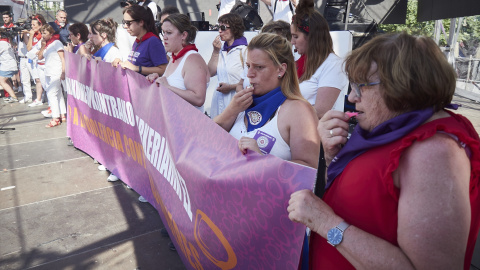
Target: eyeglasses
357	86
128	23
223	27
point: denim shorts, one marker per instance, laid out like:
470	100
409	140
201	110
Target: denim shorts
8	74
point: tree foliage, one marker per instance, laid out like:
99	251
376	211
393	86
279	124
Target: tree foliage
469	36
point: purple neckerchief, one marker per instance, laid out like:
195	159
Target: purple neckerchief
75	49
362	141
236	42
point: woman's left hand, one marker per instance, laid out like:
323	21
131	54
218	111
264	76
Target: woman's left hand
306	208
162	81
246	143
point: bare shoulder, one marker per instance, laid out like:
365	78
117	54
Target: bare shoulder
196	58
438	158
298	112
297	106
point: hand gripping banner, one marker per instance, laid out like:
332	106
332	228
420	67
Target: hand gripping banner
222	209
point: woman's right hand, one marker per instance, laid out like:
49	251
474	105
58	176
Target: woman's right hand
152	77
333	132
217	44
242	100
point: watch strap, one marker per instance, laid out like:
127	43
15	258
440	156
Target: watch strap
343	226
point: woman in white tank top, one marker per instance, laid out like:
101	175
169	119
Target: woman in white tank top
271	116
187	73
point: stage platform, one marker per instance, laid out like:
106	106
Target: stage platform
57	210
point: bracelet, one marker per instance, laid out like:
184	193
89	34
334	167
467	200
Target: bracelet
140	69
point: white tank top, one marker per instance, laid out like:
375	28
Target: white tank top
176	79
268	137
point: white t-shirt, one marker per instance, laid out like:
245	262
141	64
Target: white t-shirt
7	57
124	42
283	11
152	6
329	74
112	54
53	62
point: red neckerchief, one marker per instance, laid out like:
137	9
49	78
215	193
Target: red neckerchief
52	39
146	36
301	65
8	26
59	25
190	47
4	39
36	36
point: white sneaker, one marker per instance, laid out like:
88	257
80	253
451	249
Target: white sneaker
35	103
47	113
112	178
25	100
142	199
11	100
102	168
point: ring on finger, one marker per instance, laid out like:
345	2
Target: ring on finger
331	132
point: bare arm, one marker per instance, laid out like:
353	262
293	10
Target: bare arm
62	57
300	132
195	76
326	97
213	62
433	213
83	51
145	70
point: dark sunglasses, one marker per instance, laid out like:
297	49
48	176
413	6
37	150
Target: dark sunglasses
128	23
223	27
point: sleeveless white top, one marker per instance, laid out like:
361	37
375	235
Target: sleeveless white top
176	79
270	130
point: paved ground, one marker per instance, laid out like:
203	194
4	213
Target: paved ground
57	211
61	213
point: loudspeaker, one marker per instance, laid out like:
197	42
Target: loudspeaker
201	25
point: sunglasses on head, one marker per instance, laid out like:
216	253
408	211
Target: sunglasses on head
128	22
223	27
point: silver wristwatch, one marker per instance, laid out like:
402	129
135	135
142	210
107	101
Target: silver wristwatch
335	235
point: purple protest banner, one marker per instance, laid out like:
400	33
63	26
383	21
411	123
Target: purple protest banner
222	209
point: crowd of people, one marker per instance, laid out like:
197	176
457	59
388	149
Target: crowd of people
401	190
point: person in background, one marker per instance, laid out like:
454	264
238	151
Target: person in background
124	40
187	73
225	6
78	36
60	25
402	192
227	60
281	9
323	81
269	110
281	28
166	11
152	6
103	36
24	69
33	46
8	66
52	51
148	54
7	20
